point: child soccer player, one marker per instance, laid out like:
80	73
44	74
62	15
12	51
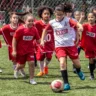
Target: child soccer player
79	16
88	42
64	44
23	49
44	54
8	31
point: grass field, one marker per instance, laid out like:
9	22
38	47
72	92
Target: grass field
21	87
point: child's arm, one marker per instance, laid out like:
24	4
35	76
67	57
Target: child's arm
77	38
76	25
14	44
43	36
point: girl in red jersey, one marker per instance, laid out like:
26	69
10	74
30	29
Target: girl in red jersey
8	31
64	43
44	55
88	42
23	48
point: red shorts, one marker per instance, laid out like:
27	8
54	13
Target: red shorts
41	56
72	52
21	59
90	54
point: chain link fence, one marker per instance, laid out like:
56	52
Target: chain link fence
18	5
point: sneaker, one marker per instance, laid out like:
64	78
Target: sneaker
81	75
46	70
40	74
22	73
33	82
92	77
0	70
15	74
66	86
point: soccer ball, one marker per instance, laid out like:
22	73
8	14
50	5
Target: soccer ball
57	86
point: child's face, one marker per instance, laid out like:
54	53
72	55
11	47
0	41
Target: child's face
94	11
91	18
29	21
69	14
77	16
46	15
14	19
59	15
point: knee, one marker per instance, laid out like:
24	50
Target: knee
62	65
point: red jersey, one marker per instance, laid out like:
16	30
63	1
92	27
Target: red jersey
88	40
7	31
49	39
25	37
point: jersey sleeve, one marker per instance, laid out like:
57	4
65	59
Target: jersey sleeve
18	34
37	37
72	23
48	27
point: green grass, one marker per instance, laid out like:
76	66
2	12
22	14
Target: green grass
21	87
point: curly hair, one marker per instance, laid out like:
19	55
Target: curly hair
42	8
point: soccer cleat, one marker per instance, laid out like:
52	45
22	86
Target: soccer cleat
22	73
15	74
32	81
40	74
46	70
81	75
92	77
66	87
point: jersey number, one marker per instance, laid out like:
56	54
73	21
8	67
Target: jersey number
48	37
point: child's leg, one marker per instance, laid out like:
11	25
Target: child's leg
40	57
47	61
91	68
17	69
63	68
77	65
35	60
79	50
31	71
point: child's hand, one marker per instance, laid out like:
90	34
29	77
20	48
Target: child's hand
14	53
42	43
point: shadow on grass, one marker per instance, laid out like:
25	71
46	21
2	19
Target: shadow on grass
85	87
39	83
12	78
49	76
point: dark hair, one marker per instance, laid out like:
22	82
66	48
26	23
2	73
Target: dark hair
22	14
64	7
92	13
42	8
12	13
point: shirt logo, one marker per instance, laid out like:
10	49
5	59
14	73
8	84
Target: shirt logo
90	34
27	38
61	32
